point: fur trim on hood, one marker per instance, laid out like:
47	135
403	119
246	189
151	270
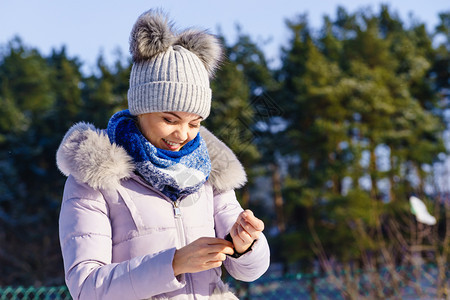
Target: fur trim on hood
87	154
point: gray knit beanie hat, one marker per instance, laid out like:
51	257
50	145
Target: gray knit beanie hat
171	70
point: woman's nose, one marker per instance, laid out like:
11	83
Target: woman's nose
182	133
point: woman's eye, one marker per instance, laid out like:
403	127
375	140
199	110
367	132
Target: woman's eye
195	125
168	121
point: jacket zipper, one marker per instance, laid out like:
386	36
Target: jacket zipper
179	227
182	239
179	223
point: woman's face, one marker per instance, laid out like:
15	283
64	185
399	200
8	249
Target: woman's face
169	130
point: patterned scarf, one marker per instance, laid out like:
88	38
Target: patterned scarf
174	173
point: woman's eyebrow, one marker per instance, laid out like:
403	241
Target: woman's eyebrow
174	114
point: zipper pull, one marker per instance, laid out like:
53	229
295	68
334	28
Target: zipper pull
176	210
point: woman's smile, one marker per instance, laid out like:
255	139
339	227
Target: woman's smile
173	146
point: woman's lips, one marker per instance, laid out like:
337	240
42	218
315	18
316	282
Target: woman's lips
171	145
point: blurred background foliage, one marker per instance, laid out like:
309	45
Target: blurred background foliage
335	139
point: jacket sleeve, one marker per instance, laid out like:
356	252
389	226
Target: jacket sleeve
85	237
252	264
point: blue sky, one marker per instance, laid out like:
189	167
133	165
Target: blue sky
88	27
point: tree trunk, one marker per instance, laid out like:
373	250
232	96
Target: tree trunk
372	173
245	197
392	197
278	197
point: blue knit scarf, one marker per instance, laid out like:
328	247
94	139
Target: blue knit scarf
174	173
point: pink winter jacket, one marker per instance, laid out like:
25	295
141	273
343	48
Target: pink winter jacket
118	235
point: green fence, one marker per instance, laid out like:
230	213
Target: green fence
44	293
411	283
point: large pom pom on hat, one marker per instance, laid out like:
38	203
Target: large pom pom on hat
171	71
204	45
151	34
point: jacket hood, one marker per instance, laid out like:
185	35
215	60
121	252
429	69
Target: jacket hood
87	154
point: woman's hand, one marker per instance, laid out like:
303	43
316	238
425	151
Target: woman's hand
246	229
202	254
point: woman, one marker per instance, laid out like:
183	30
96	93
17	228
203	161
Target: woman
149	209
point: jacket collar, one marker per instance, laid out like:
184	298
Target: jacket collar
87	154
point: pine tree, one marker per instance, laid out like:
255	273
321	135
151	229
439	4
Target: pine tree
248	56
360	113
232	116
105	92
27	204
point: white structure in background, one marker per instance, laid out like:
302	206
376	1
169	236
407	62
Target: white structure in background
419	209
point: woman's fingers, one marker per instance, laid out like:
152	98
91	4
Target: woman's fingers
235	234
250	224
247	218
245	230
228	250
214	241
202	254
249	229
220	248
217	256
244	234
